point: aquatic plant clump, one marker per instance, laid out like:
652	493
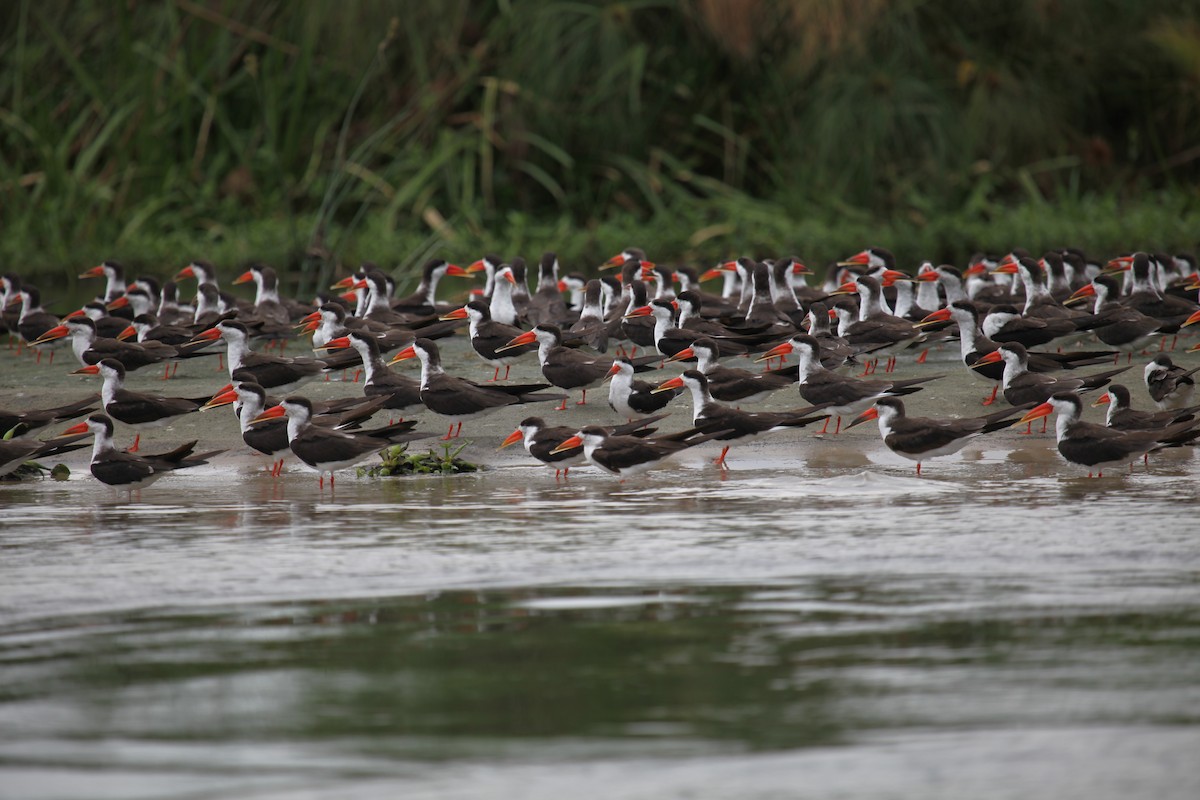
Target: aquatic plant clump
396	460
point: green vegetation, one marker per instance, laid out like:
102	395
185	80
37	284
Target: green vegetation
396	460
314	135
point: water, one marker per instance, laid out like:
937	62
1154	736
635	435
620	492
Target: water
791	630
817	622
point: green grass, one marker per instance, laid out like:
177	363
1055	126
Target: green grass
312	136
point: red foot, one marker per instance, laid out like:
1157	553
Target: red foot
987	401
562	407
582	399
720	460
924	354
136	441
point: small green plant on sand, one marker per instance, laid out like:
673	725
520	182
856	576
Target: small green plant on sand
396	460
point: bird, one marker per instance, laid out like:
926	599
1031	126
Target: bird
1122	416
669	339
399	391
270	372
270	437
566	367
459	399
126	470
327	450
547	304
921	438
974	346
489	338
34	321
839	395
737	424
628	396
1099	448
24	423
624	456
732	384
1021	386
540	440
135	409
1170	386
1112	322
15	452
90	348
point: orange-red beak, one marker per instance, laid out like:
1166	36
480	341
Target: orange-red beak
866	416
512	438
567	444
120	302
1037	412
458	313
186	272
640	311
668	385
929	276
683	355
778	351
57	332
94	272
1192	320
209	335
1085	291
1102	400
78	427
528	337
90	369
455	269
993	357
274	412
941	315
128	333
404	355
222	398
245	277
340	343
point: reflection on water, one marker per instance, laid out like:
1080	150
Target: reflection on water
781	632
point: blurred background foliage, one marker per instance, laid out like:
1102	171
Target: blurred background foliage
316	134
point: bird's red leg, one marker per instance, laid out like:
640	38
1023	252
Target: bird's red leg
495	376
987	401
507	367
321	480
449	434
924	354
720	460
1028	429
167	371
562	407
51	358
357	375
136	441
175	370
838	429
1044	421
918	469
582	399
823	430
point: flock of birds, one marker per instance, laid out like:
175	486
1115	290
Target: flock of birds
1027	324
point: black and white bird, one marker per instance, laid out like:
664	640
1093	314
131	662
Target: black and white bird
126	470
541	440
1099	448
1170	386
922	438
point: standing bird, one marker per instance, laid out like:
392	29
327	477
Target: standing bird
919	438
135	409
1021	386
540	440
838	394
630	397
547	304
737	424
326	450
1097	447
400	391
459	399
563	366
489	338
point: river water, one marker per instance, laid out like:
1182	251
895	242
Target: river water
817	622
